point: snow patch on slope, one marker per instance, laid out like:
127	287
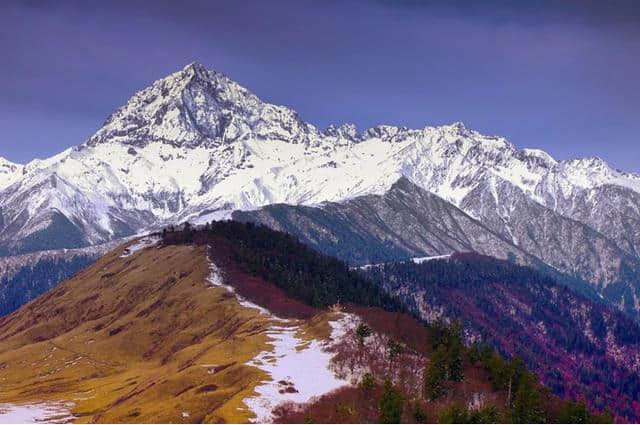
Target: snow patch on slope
417	260
49	412
141	244
420	260
299	372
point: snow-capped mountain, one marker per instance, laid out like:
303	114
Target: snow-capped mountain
196	145
9	172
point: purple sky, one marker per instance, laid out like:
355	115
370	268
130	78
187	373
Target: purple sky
561	78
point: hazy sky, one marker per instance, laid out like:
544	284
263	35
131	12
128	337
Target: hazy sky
561	78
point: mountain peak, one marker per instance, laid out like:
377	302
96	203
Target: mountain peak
347	131
6	163
189	107
458	126
196	71
10	172
195	66
196	106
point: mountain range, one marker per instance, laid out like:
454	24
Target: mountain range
196	146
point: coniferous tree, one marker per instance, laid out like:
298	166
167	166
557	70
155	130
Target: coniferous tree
454	415
438	334
390	404
367	383
486	415
574	413
456	369
362	332
394	349
527	404
514	371
419	414
436	374
603	418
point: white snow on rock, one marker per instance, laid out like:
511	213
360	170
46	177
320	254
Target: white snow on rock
49	412
9	172
296	375
139	245
365	266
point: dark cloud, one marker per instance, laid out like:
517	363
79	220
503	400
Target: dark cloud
558	75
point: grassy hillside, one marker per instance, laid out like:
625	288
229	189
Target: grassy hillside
150	333
136	339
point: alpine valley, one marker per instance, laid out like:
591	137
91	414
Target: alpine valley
404	246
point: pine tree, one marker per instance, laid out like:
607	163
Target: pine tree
419	415
367	383
390	404
362	332
527	404
436	374
438	334
603	418
574	413
487	415
456	369
455	414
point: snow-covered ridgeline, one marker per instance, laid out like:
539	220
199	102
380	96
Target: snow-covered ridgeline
9	172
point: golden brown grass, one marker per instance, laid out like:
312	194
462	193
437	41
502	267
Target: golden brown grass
137	339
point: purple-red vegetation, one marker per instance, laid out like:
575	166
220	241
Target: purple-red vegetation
578	347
